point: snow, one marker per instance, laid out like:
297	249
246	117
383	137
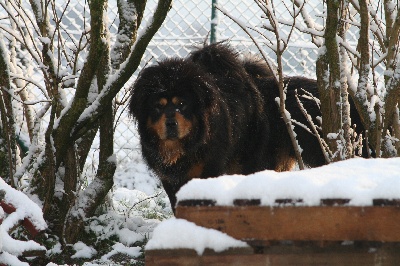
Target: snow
129	237
332	135
137	200
44	40
83	251
360	180
112	159
137	195
178	233
25	208
126	223
9	259
135	175
120	248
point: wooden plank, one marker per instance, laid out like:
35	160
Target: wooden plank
184	260
190	257
281	255
314	223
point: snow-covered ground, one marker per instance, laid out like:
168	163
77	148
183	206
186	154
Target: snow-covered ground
179	233
137	205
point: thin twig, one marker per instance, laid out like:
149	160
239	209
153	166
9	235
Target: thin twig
26	103
143	200
264	56
324	148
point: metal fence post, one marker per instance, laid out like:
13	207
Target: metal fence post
214	22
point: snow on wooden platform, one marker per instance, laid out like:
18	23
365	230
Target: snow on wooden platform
325	213
358	180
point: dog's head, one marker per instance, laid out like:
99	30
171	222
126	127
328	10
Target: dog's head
171	117
171	102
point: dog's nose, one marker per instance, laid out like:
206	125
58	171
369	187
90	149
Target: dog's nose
171	123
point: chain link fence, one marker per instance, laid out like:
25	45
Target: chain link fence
187	26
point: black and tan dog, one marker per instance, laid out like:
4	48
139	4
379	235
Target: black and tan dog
215	113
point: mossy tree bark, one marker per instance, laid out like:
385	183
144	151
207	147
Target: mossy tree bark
328	77
73	126
7	126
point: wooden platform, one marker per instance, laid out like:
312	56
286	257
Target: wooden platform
291	234
296	254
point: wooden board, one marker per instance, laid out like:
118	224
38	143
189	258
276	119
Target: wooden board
317	223
188	257
281	255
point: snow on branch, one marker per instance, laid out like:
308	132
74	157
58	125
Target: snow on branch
324	147
116	81
30	80
20	209
128	25
24	102
25	38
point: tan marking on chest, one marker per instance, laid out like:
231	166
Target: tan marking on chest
171	151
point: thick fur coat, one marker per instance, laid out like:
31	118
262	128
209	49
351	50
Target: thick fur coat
215	113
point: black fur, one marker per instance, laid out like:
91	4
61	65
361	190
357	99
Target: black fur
234	123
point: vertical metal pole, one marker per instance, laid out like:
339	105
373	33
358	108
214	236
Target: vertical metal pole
214	22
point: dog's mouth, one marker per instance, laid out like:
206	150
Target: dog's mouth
171	129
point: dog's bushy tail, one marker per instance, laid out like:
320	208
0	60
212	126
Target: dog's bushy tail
257	67
219	59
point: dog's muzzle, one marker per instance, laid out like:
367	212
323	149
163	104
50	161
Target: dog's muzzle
172	128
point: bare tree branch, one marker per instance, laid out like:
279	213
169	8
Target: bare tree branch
344	95
62	134
127	28
244	28
267	8
327	153
118	80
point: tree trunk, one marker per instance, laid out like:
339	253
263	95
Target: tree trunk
328	78
7	127
88	200
56	165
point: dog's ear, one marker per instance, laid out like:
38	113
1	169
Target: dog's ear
132	101
145	85
136	101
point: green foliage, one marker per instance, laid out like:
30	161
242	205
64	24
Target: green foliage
4	165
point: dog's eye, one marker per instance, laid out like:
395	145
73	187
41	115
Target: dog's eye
158	107
182	105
